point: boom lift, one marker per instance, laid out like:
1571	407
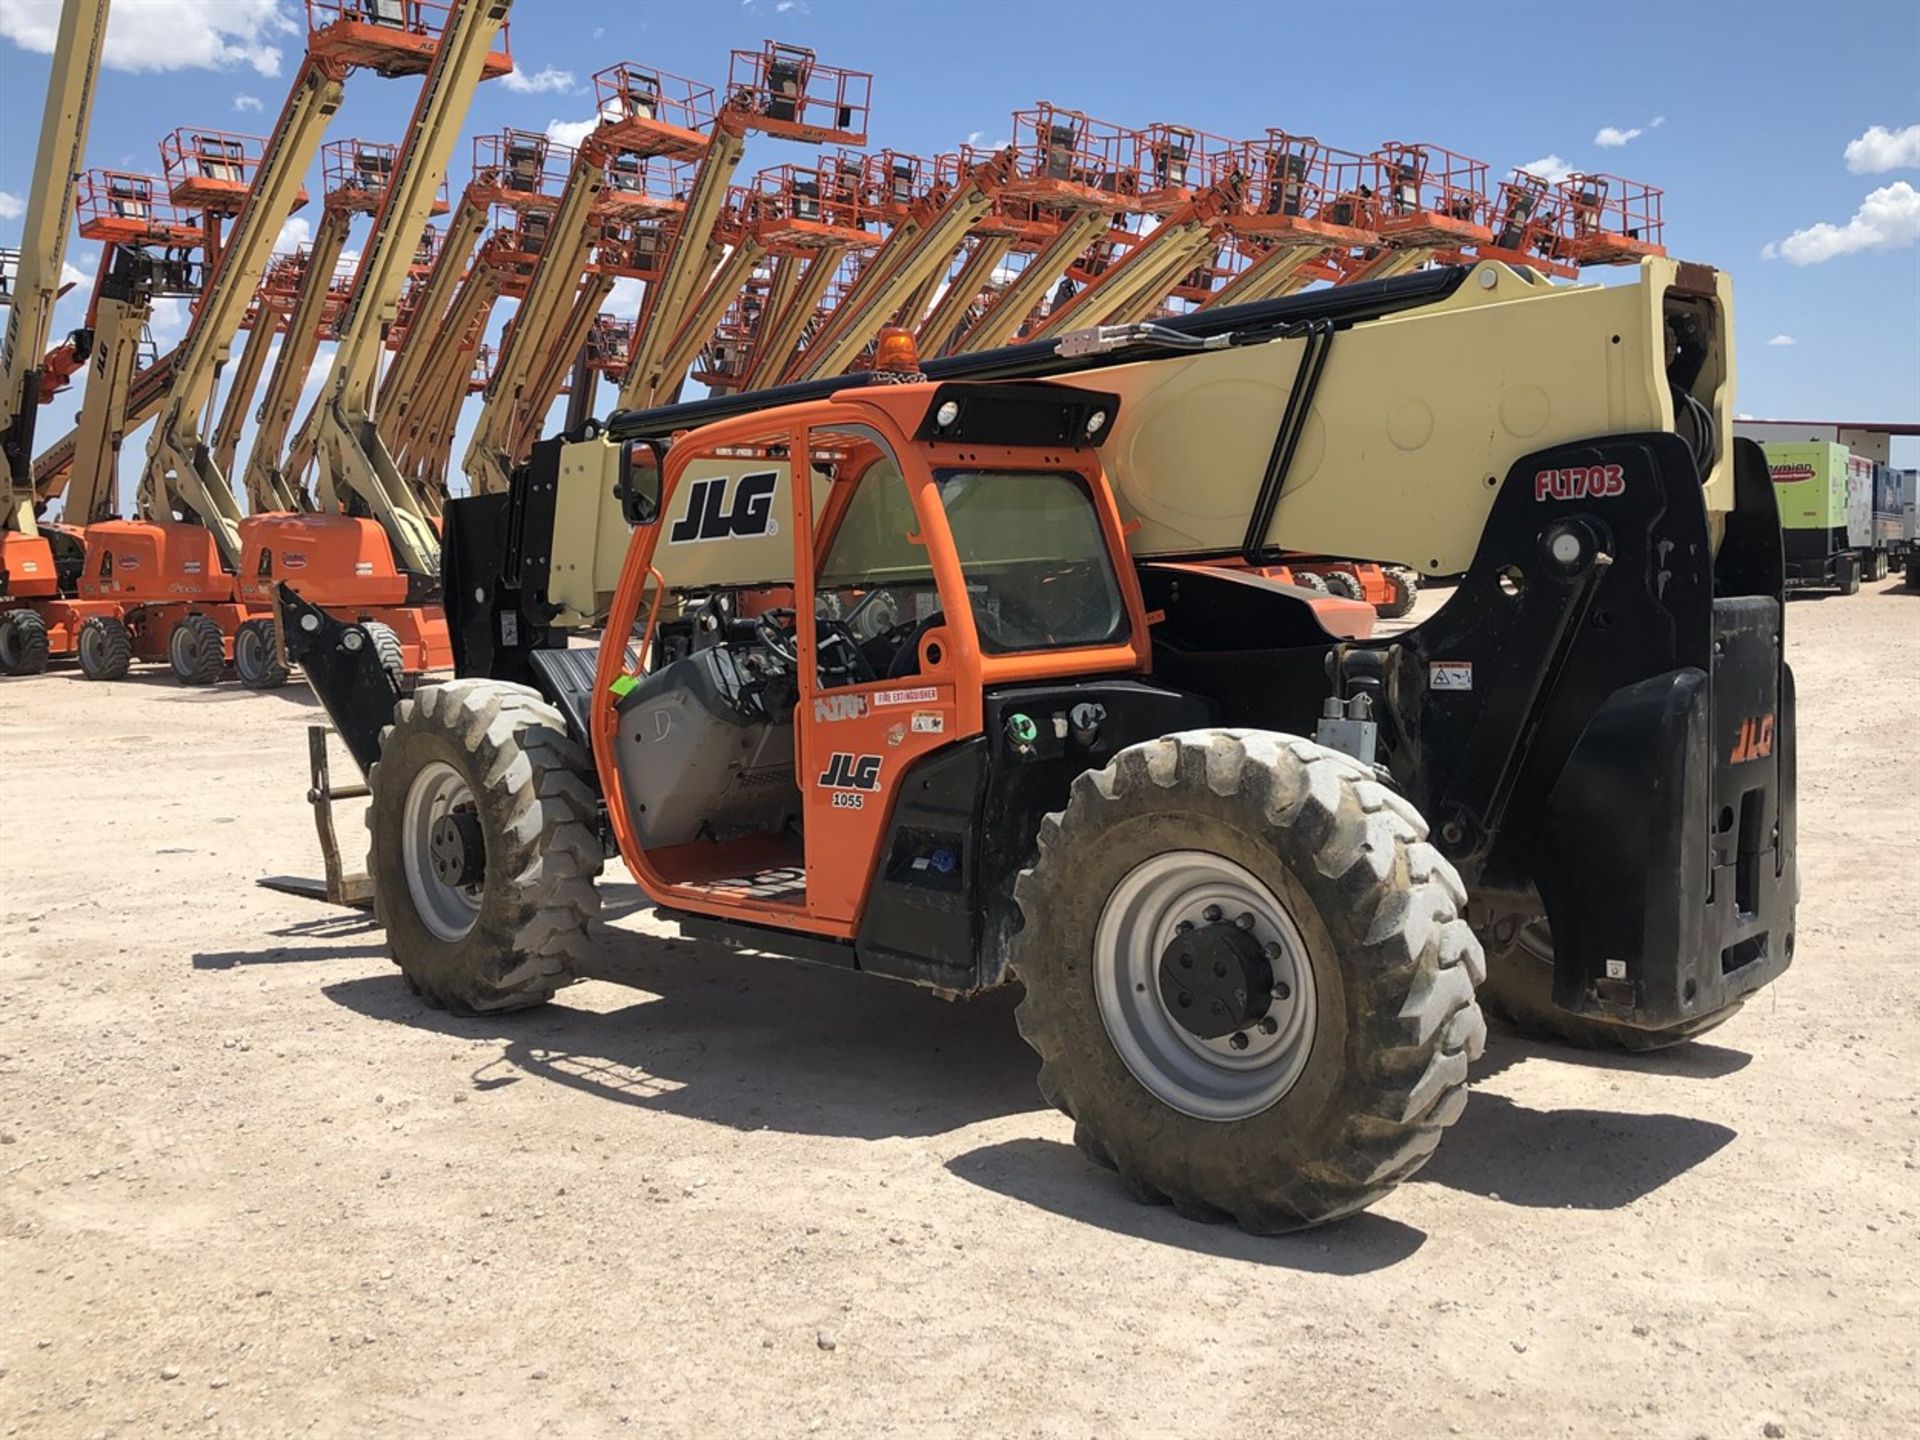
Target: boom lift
371	545
356	174
649	119
779	90
26	560
1428	201
955	692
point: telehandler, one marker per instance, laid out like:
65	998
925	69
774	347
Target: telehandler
939	675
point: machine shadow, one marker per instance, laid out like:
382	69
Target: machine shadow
751	1043
324	937
1054	1176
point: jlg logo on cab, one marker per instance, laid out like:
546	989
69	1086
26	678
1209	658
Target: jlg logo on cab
1580	482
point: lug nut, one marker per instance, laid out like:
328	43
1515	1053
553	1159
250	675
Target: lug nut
1186	1000
1186	962
1273	951
1220	969
1269	1026
1244	920
1211	914
1183	927
1282	990
1239	1040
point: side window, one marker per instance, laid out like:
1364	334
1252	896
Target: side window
874	590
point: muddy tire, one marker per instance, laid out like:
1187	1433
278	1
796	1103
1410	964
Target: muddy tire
1519	989
105	648
1369	977
197	651
386	644
256	656
1308	580
23	643
483	849
1403	591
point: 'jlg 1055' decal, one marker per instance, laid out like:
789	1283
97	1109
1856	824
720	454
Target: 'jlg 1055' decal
1580	482
750	515
848	776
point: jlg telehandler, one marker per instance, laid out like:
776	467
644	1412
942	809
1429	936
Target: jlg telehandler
945	680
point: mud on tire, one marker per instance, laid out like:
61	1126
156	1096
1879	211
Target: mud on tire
526	918
1393	968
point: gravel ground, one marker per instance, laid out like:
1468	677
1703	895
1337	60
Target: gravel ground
249	1186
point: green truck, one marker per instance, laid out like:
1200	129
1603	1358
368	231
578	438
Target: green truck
1825	496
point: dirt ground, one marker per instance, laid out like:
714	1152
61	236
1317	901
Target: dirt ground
250	1186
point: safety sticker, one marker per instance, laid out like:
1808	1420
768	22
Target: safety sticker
928	722
1450	675
919	695
1616	969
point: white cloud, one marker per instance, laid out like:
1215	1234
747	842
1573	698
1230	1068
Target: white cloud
625	297
166	34
1656	122
1883	149
571	132
1888	219
550	81
71	274
169	321
1550	168
297	231
12	207
1783	340
1611	137
246	102
322	366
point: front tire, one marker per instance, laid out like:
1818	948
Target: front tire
483	850
106	649
24	646
1519	989
1326	872
1402	590
197	651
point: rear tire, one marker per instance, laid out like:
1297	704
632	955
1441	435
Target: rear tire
1385	970
1848	567
197	651
1519	988
1913	568
500	756
1345	585
23	643
1308	580
256	656
105	647
1403	590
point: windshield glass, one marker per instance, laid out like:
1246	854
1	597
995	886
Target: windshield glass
1035	562
1029	545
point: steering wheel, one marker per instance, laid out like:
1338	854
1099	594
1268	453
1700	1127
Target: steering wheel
775	630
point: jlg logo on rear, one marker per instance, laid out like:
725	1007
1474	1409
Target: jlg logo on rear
1580	482
709	518
1755	741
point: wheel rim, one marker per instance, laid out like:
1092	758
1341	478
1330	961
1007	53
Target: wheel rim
181	648
449	911
9	645
92	641
1211	1079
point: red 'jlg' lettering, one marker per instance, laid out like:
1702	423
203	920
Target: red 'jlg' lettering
1755	741
1580	482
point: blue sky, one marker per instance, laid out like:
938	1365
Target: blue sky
1743	113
